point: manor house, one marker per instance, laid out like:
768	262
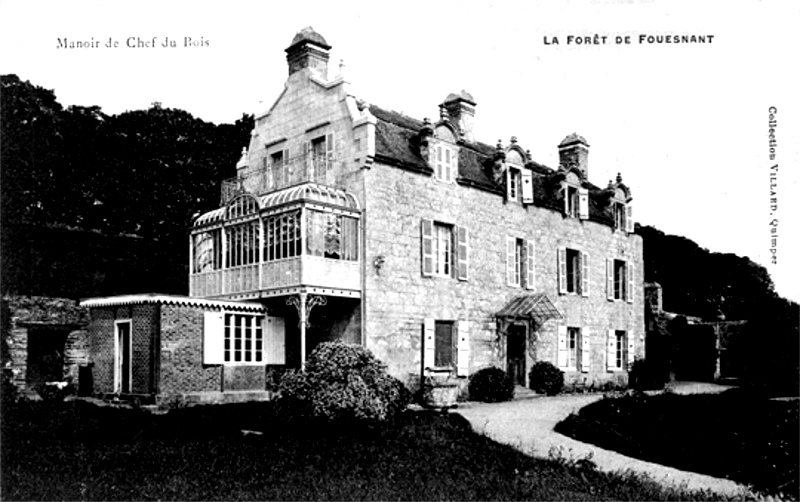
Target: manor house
347	221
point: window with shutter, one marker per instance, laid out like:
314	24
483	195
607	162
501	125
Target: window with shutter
213	338
463	342
562	347
586	350
275	340
527	187
631	283
463	253
584	274
562	271
631	353
610	279
628	218
511	261
428	343
427	247
583	203
530	260
611	350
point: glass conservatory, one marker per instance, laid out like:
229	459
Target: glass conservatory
303	238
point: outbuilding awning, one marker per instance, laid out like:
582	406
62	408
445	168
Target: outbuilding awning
537	307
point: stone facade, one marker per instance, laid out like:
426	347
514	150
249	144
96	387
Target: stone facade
398	297
44	339
386	160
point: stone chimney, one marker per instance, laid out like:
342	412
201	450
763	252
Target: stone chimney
461	109
574	151
653	292
309	50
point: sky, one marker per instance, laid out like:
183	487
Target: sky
686	125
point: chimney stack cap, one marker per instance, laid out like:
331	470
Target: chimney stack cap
308	35
573	139
461	96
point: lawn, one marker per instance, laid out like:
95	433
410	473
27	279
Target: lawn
77	450
732	435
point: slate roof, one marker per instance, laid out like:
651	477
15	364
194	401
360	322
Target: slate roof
397	141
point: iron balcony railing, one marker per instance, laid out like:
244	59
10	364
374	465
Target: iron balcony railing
275	176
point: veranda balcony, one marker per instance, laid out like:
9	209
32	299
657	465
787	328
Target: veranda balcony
303	237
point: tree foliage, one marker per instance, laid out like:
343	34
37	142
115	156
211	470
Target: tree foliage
142	173
698	282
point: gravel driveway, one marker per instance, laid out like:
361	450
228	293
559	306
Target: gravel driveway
527	424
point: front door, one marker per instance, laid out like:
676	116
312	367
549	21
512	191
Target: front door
122	357
516	352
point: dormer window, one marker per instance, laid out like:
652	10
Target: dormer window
576	198
519	181
620	219
514	181
621	209
445	163
444	155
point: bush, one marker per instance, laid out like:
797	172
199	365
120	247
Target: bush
54	391
545	378
343	383
491	385
645	375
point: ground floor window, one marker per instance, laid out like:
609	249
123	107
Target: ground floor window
244	338
574	348
445	351
620	349
446	345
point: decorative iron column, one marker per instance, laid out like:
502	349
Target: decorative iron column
304	302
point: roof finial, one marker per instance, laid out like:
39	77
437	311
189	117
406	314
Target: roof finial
619	179
513	140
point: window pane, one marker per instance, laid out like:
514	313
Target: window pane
443	344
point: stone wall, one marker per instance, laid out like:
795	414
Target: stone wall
20	314
398	298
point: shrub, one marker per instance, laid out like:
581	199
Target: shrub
491	385
645	375
342	383
545	378
54	391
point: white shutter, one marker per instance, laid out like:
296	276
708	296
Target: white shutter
427	247
565	191
462	250
631	349
562	271
628	218
610	279
530	260
329	148
508	182
611	350
527	187
511	259
584	274
586	350
562	347
428	343
462	334
275	342
631	283
213	338
583	203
